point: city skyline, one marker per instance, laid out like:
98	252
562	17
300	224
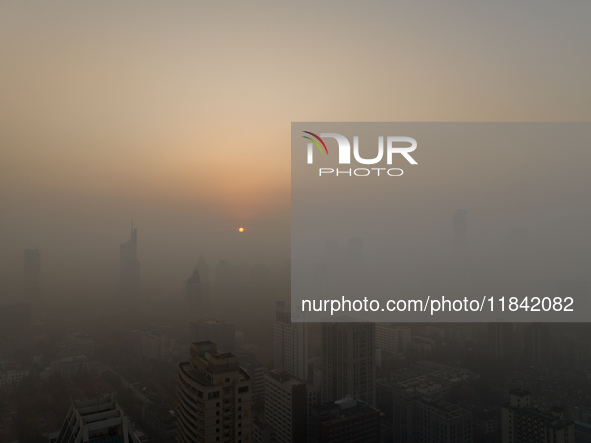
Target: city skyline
186	119
114	111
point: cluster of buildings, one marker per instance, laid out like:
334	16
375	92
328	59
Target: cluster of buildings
225	394
215	394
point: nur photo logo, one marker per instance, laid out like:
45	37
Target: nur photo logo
394	145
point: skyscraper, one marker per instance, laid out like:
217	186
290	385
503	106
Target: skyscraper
196	303
256	370
129	266
290	344
32	273
203	270
96	420
214	397
348	361
288	401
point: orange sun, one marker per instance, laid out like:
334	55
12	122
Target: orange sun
240	229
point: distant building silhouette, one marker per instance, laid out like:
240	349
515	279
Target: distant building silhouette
348	361
290	344
32	273
154	342
76	343
536	343
204	277
392	338
501	341
195	302
203	269
11	373
129	266
214	397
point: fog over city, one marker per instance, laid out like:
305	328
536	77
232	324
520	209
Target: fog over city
153	218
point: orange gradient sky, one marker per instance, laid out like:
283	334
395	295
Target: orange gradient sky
188	104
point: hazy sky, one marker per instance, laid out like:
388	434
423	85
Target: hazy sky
178	113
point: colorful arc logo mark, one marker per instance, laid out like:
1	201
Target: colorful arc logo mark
314	141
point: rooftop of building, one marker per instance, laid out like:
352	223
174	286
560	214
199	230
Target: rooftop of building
444	409
97	409
343	409
425	377
552	418
99	416
206	360
284	377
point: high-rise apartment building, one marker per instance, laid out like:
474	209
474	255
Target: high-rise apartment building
348	361
523	422
257	371
155	344
288	402
437	420
196	297
99	420
392	338
214	397
290	344
160	422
